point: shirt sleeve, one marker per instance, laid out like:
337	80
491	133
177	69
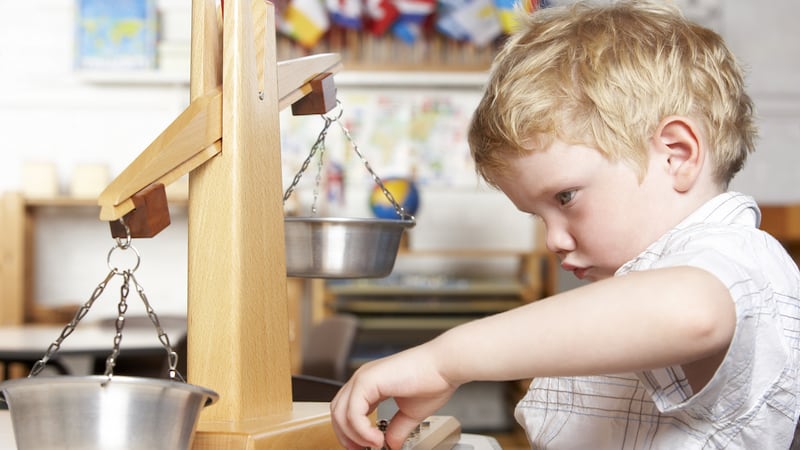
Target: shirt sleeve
756	355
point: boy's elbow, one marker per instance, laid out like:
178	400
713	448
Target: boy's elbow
713	334
713	321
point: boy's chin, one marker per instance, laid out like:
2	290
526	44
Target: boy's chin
592	276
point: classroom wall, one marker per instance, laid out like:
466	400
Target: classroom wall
51	113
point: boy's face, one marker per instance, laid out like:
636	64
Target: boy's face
597	213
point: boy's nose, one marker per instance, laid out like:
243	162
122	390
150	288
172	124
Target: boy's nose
558	240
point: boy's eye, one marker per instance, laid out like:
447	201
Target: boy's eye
565	197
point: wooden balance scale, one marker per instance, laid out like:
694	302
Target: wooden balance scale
228	141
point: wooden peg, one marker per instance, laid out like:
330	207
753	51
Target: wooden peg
320	100
150	214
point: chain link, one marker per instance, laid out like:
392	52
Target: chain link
320	144
397	207
318	179
119	324
84	309
172	356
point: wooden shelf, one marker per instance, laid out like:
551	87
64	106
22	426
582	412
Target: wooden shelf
428	286
34	202
18	220
362	51
404	324
71	202
426	307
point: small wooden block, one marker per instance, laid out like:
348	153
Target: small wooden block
320	100
435	433
150	216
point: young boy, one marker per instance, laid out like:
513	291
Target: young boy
620	127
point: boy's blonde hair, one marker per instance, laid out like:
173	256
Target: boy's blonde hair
605	76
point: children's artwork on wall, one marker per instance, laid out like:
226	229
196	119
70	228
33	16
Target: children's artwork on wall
119	34
421	135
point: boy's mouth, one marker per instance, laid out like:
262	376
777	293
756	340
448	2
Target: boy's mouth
579	272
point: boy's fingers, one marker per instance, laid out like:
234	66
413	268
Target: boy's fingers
398	430
351	423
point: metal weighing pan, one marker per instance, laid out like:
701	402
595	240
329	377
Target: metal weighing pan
95	413
320	247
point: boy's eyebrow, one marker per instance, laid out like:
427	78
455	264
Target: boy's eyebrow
548	188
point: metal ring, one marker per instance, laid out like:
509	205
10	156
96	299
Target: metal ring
338	116
129	247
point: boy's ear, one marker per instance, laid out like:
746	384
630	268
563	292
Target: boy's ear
678	139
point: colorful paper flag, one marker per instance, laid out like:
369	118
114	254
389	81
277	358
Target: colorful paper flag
412	14
306	21
379	16
446	23
506	11
346	13
473	20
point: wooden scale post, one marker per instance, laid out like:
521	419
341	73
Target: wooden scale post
228	140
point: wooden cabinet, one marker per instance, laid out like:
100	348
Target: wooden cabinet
17	223
13	264
19	219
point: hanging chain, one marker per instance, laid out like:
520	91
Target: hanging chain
320	144
172	356
56	345
397	206
119	324
318	179
122	308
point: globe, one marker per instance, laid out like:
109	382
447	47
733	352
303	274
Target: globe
404	192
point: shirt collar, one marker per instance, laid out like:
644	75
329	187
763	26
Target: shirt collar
725	209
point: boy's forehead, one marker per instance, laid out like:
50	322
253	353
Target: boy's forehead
550	167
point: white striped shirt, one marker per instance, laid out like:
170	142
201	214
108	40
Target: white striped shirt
752	400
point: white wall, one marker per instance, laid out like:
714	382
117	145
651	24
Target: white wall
49	112
766	38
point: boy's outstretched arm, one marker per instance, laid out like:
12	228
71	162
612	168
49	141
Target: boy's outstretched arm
641	320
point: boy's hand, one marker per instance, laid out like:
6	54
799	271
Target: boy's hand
411	377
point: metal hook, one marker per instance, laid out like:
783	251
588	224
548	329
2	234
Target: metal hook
127	243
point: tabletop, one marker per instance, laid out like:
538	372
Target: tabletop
87	337
93	339
467	442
